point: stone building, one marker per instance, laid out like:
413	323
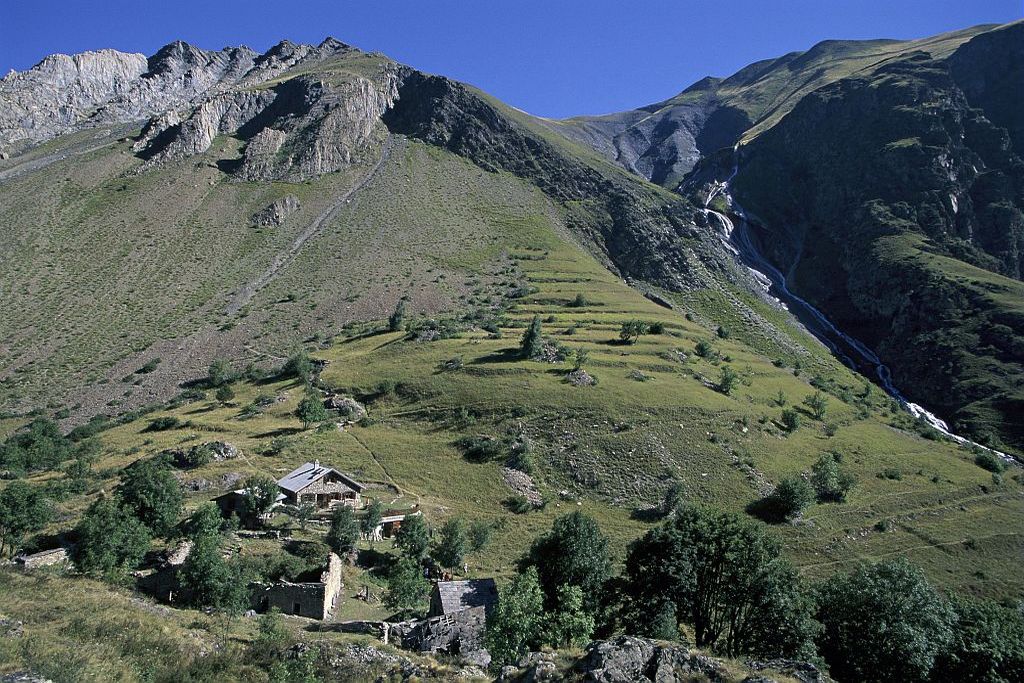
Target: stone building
451	597
321	486
316	599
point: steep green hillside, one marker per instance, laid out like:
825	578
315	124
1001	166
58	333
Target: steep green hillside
908	233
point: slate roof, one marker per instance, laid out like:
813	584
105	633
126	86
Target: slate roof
456	596
307	473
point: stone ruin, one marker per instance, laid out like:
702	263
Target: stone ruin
46	558
313	599
460	634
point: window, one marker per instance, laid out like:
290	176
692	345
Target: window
296	609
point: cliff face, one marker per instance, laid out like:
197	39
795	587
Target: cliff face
300	126
896	206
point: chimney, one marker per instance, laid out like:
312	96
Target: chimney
316	464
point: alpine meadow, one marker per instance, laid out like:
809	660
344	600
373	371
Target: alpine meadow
315	366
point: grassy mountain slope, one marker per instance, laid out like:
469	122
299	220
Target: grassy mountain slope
481	217
653	418
908	233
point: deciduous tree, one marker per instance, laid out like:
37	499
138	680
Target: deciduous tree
573	553
515	625
726	579
111	540
883	622
150	490
344	531
413	538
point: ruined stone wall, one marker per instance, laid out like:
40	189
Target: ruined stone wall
460	634
316	600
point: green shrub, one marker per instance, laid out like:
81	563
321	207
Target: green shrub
990	461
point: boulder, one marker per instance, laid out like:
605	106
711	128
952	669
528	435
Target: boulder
349	408
628	659
275	214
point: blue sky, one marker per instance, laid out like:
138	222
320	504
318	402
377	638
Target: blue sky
552	58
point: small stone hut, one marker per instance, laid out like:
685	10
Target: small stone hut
451	597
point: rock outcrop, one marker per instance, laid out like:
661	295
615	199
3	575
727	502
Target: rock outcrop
190	96
275	214
627	659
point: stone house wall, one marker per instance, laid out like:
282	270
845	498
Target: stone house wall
316	600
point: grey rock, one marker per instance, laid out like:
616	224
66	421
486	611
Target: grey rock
630	659
805	672
23	677
275	214
347	407
296	129
168	137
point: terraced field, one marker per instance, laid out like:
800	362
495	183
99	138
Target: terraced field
612	449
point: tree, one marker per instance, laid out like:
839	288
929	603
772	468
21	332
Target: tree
570	625
818	405
533	340
882	622
151	492
407	588
371	520
343	534
303	513
220	373
631	330
453	545
224	394
259	495
665	624
40	446
516	621
206	579
780	399
573	553
205	521
413	538
298	365
23	509
791	497
726	578
397	319
988	644
790	420
580	357
830	481
727	380
311	411
704	349
110	539
479	535
580	301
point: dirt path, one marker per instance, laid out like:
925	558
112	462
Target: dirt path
78	149
903	551
391	479
249	290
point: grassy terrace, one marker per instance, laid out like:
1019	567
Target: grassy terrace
615	446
